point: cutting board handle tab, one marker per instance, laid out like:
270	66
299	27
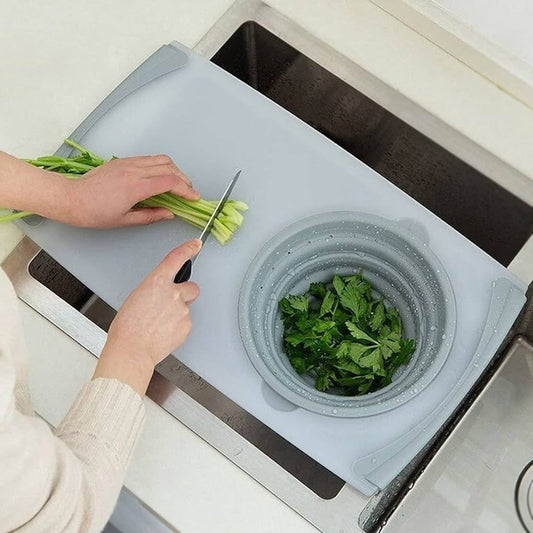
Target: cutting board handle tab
166	59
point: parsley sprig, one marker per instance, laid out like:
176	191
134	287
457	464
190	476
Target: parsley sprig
347	339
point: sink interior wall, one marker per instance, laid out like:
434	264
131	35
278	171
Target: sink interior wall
477	207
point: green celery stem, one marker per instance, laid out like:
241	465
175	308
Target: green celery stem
196	213
14	216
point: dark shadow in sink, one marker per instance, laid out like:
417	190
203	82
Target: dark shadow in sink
480	209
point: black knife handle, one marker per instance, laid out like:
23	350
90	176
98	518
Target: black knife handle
184	273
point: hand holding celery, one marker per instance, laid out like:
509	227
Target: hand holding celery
146	195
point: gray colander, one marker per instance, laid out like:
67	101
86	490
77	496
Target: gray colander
398	264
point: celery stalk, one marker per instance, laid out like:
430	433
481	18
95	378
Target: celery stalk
196	213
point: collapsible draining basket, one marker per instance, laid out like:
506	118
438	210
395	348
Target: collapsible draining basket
398	265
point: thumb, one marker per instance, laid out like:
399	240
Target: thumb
177	257
146	215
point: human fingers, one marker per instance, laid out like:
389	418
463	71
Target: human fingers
157	184
143	161
173	169
189	291
175	259
163	160
183	190
145	215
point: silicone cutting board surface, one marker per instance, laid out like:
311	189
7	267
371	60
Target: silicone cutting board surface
213	125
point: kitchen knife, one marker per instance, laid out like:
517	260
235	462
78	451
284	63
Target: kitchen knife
185	271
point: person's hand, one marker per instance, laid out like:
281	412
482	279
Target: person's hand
105	196
153	321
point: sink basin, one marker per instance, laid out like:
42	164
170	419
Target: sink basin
473	204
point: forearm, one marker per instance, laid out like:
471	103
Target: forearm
126	367
68	481
28	188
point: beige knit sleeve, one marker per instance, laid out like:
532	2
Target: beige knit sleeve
68	481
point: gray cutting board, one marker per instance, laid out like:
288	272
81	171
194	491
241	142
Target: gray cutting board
212	125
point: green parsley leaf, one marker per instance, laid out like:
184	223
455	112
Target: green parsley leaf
298	363
338	284
318	289
392	342
378	316
285	307
299	303
407	348
327	303
353	300
394	319
347	339
361	284
348	366
324	381
294	338
373	360
359	334
352	350
323	325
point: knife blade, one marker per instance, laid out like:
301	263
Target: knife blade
185	271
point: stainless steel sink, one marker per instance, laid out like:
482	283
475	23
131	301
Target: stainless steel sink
399	141
452	189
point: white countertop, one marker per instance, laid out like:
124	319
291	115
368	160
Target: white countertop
507	28
60	59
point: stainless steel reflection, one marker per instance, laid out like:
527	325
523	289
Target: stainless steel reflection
473	482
